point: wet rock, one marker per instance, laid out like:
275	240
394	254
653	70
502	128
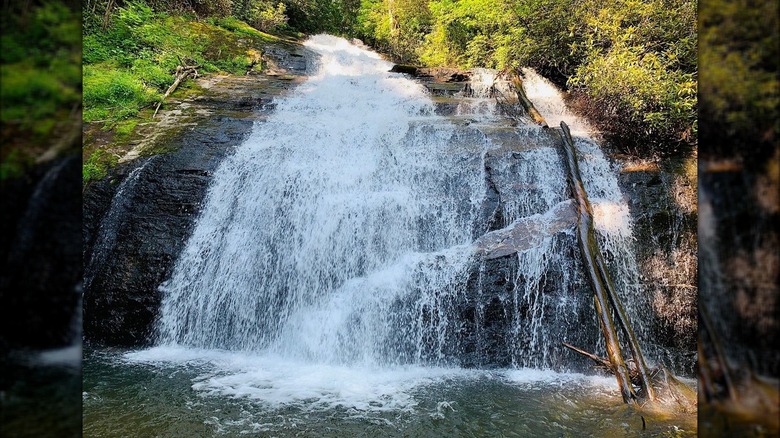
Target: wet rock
526	233
137	219
503	305
131	243
408	69
665	232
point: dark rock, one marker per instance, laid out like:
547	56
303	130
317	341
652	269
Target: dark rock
41	266
497	317
408	69
132	241
665	232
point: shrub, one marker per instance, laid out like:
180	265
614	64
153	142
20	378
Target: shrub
115	92
264	16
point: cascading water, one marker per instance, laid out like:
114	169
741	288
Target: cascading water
105	240
612	218
361	256
328	216
339	231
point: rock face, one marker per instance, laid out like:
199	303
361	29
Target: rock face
41	266
662	202
130	247
137	219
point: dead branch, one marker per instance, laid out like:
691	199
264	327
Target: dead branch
517	83
182	72
604	293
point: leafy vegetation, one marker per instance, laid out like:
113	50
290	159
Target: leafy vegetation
41	79
131	53
130	63
633	62
740	59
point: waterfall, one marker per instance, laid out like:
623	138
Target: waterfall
105	239
350	198
611	215
342	231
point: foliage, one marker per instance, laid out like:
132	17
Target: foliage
469	33
740	60
634	61
262	14
41	76
130	64
639	67
396	27
338	17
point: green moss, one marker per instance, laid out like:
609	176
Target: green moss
97	165
189	90
124	128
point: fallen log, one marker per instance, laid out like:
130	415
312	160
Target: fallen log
601	362
181	73
601	283
517	84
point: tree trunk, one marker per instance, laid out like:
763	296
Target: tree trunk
601	283
517	83
107	14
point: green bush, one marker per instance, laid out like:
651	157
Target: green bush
116	92
267	17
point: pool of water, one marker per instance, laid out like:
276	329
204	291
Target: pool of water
39	393
177	392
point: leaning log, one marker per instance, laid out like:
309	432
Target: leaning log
622	319
601	283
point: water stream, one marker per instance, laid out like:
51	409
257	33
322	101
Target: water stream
331	286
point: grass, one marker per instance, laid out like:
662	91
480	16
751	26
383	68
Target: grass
40	75
129	65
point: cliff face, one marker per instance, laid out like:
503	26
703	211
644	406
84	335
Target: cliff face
137	219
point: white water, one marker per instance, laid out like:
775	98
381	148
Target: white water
478	100
334	247
328	214
277	381
106	235
611	215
